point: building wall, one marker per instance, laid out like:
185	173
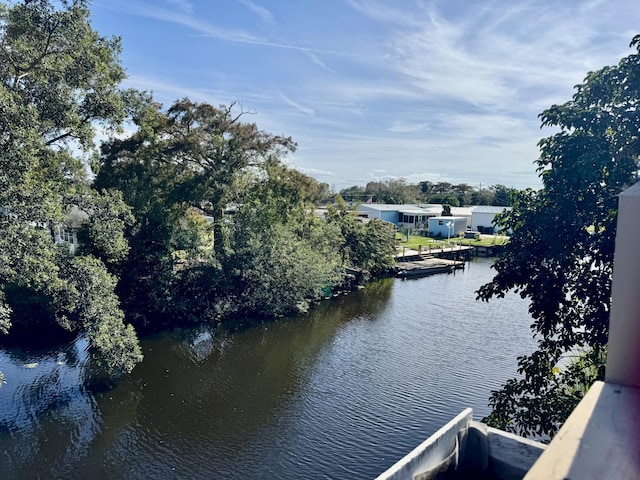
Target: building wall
438	226
482	220
386	215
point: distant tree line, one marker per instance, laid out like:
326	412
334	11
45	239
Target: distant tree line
397	191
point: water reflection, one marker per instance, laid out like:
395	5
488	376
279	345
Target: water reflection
340	392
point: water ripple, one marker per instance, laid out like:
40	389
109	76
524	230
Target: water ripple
342	392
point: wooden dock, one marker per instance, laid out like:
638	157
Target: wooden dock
428	261
453	252
428	266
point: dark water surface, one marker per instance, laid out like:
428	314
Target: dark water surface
342	392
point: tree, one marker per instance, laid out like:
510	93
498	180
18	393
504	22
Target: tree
370	246
560	255
188	156
59	80
191	157
355	193
482	196
502	196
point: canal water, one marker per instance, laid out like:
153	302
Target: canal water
339	393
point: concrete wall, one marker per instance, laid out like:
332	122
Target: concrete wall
623	355
471	449
436	454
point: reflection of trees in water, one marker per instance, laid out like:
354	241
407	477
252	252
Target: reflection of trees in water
367	302
224	389
200	386
45	412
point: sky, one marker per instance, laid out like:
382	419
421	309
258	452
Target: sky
371	90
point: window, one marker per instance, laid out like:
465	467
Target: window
66	235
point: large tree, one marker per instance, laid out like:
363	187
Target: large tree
59	80
190	156
282	256
560	255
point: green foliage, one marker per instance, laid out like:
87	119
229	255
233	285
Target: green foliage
59	80
89	300
368	246
192	238
560	255
546	395
180	164
398	192
103	233
282	256
278	270
5	315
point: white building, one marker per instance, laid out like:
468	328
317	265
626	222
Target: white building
447	227
401	215
483	218
67	232
478	217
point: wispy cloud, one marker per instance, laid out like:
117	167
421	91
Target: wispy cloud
407	127
385	13
259	10
208	29
318	172
412	87
186	20
315	59
300	108
184	5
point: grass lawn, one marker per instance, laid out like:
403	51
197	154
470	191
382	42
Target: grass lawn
416	240
426	242
484	241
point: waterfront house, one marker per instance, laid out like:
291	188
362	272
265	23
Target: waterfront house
483	218
478	217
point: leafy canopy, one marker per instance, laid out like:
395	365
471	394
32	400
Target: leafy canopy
59	80
560	255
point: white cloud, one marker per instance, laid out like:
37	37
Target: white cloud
259	10
383	12
315	59
186	20
408	87
300	108
318	172
407	127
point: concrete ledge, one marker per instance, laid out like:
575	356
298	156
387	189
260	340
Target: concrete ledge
599	440
436	454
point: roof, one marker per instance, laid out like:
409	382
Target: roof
489	209
416	211
381	207
462	211
447	218
422	209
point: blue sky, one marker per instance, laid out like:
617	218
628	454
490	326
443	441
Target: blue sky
442	90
